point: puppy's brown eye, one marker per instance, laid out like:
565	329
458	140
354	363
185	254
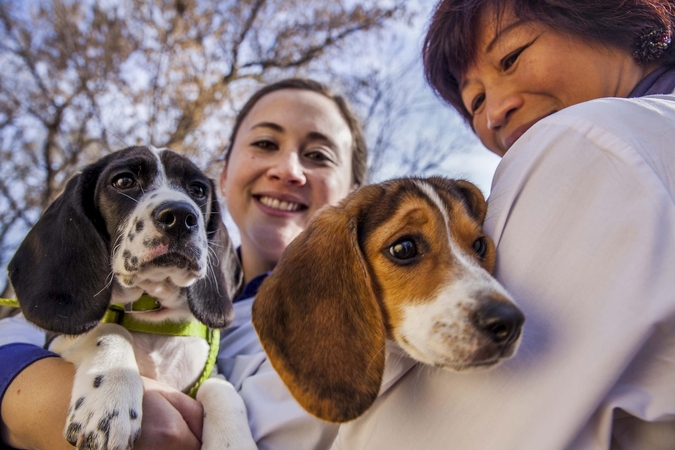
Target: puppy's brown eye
480	247
124	181
197	190
403	249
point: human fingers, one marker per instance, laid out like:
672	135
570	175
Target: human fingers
163	426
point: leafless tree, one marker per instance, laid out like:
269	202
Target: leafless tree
407	132
82	78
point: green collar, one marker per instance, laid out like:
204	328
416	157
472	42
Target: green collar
11	302
127	316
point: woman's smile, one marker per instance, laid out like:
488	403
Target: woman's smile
279	204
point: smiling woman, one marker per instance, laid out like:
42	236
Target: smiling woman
292	154
528	71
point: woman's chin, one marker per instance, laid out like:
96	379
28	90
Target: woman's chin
273	241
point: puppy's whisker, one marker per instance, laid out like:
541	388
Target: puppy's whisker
213	253
108	283
127	196
381	350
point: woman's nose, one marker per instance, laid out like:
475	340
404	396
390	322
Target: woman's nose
500	106
288	168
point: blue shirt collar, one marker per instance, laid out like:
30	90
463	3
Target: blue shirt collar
251	288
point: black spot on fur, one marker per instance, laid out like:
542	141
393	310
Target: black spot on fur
152	243
104	424
133	414
130	261
131	237
137	435
90	442
98	381
78	403
153	196
140	225
73	432
99	342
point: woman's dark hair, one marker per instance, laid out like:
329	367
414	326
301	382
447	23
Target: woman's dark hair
359	149
451	43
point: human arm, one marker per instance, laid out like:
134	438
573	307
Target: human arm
36	402
35	393
585	230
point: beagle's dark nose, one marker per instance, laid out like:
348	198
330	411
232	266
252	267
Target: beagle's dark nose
500	321
177	219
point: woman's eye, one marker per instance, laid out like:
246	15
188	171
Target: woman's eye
318	156
197	190
265	145
124	181
480	247
511	58
477	102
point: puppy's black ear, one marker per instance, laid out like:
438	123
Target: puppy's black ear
210	298
60	271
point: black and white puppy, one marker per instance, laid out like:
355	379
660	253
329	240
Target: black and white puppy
139	220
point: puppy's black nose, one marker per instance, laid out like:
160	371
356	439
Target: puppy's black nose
177	219
500	321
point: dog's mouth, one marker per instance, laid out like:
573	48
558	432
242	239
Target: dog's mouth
175	259
186	259
487	358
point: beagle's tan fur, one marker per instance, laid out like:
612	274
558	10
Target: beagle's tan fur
405	260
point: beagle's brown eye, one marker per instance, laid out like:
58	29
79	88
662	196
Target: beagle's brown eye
124	181
480	247
403	249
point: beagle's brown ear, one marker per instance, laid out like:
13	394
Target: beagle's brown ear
319	321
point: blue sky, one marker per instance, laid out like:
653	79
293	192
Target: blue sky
430	117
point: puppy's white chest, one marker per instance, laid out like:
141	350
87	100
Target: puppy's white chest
177	361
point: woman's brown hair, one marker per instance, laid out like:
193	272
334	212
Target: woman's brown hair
359	149
451	40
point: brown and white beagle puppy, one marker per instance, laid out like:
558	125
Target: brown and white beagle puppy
405	260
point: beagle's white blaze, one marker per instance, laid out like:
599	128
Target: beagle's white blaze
469	266
436	199
160	178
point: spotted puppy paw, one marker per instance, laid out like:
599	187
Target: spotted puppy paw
105	410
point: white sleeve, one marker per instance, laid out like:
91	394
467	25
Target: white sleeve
585	227
17	330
